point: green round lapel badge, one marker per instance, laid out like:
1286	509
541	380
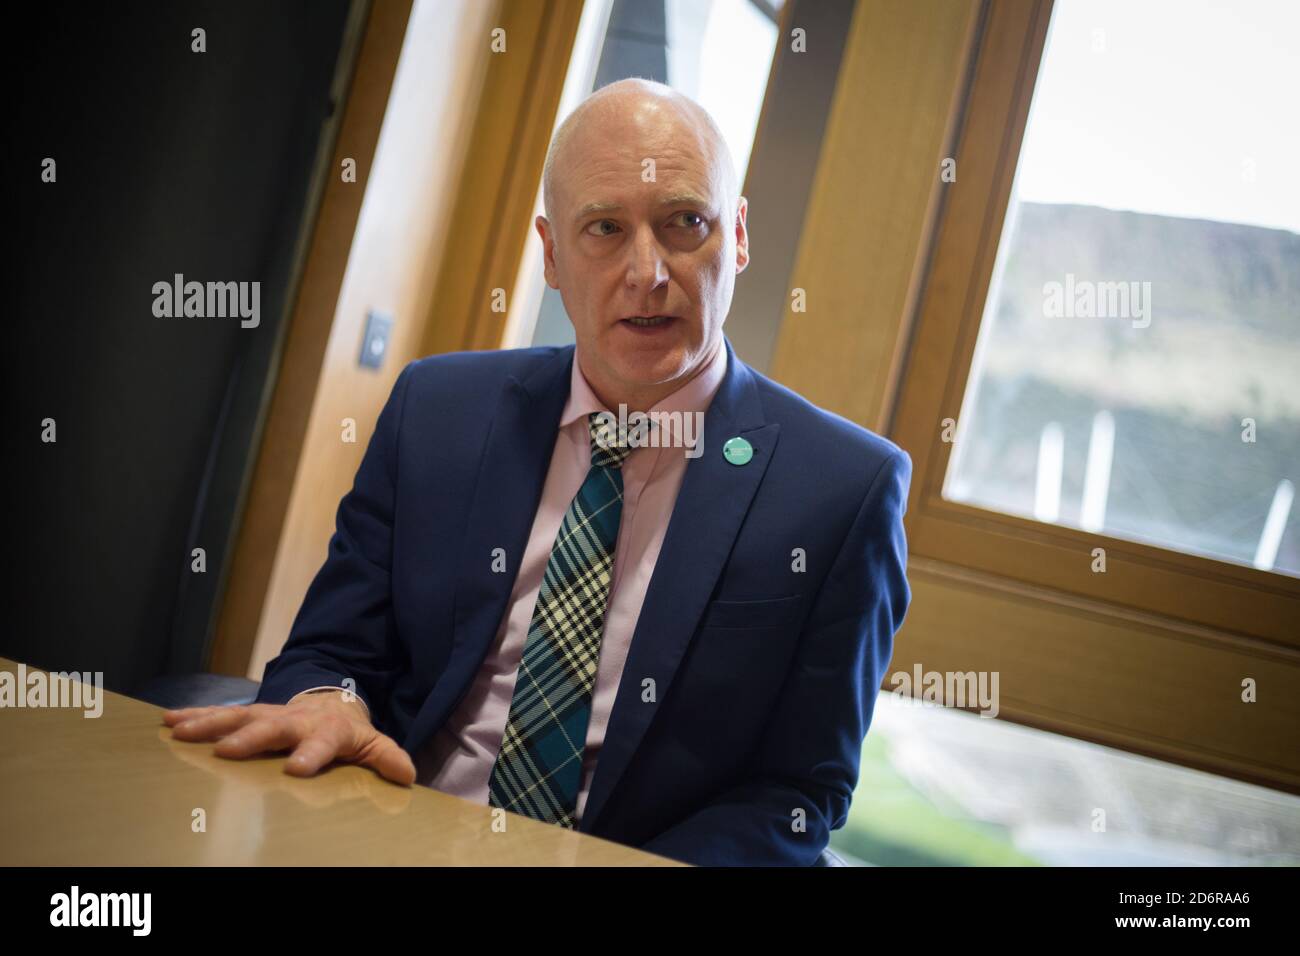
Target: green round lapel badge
737	451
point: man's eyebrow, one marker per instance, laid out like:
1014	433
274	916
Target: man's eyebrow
677	199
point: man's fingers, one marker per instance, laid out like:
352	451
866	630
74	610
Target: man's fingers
263	736
317	736
208	723
311	755
179	715
389	760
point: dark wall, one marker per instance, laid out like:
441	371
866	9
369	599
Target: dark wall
169	161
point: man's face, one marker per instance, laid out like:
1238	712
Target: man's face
623	247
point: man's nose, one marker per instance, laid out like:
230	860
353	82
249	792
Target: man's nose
646	267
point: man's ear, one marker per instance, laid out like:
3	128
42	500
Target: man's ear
548	251
742	235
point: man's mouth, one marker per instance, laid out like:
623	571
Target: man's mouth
648	322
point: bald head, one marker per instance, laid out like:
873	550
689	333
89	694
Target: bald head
643	105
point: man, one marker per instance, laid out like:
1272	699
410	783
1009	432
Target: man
539	600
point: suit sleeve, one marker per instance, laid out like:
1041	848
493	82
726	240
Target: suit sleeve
344	634
807	763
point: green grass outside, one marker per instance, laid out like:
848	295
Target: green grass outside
891	823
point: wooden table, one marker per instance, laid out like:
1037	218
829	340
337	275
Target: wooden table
117	790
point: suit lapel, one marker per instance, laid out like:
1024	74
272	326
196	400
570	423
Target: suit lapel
511	475
711	505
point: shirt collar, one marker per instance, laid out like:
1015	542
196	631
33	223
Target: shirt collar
694	396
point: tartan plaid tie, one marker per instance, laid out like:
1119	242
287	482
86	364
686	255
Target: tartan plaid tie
539	767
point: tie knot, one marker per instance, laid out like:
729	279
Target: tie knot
609	443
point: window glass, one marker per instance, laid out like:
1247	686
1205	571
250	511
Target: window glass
1138	365
944	787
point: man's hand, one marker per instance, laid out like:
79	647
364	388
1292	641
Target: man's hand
318	728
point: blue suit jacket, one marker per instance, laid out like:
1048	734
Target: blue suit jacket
766	630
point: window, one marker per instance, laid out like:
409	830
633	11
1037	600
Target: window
940	787
1135	372
1119	601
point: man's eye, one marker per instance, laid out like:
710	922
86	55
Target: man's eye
693	225
601	222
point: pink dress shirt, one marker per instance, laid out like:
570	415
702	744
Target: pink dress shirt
460	756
